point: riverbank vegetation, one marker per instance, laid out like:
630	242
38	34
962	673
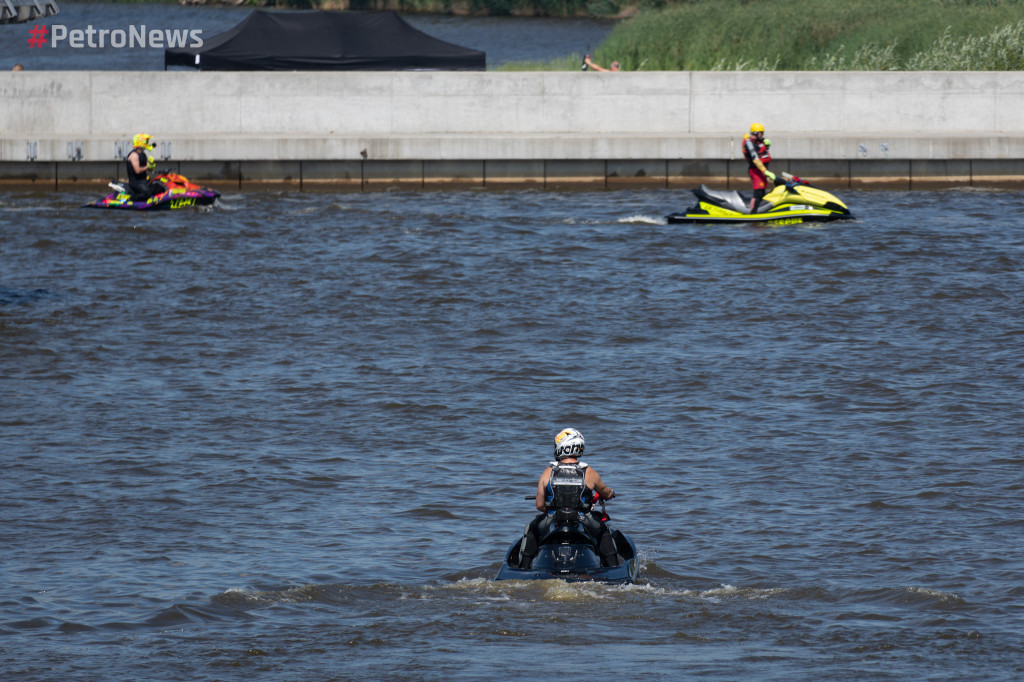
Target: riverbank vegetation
765	35
875	35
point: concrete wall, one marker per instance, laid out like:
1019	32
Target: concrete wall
283	124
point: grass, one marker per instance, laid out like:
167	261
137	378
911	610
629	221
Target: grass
572	62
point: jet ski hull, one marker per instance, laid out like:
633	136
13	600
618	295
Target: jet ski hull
788	204
792	215
168	201
573	562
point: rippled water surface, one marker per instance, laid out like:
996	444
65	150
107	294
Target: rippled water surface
290	437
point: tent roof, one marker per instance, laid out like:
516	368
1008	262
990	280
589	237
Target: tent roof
310	41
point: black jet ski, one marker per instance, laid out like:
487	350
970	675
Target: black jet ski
568	552
795	201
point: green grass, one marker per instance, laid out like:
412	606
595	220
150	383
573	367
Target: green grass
698	35
570	63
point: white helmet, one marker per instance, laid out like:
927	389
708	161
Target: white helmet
568	443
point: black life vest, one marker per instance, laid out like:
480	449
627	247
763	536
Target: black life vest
143	161
567	488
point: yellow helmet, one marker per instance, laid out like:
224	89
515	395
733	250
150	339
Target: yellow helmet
143	140
756	128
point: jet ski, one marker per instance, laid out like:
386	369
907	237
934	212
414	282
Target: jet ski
568	552
180	193
795	201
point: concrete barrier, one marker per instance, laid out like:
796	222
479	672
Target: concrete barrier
363	130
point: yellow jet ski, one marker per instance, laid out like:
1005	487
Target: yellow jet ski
796	201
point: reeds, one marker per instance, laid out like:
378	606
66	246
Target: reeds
877	35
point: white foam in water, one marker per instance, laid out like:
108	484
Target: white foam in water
643	220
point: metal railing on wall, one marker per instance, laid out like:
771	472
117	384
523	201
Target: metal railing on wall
20	11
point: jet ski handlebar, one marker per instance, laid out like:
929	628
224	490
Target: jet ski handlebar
597	498
792	180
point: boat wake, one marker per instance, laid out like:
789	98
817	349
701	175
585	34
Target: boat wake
643	220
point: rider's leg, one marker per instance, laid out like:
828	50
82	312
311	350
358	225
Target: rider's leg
605	541
530	545
756	199
139	189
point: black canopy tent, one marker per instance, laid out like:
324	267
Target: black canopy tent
325	41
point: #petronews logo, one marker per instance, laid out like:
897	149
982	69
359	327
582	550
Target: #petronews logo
59	35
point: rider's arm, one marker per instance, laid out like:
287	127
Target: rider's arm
752	153
541	491
598	485
756	160
592	64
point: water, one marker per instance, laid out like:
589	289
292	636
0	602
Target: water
504	39
289	438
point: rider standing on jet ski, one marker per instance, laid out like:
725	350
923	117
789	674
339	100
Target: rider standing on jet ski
755	149
568	486
139	164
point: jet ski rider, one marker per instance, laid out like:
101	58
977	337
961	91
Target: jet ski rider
568	483
755	150
139	165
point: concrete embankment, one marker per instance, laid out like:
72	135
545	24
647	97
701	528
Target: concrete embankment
374	130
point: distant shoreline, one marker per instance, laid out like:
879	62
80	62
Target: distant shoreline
711	35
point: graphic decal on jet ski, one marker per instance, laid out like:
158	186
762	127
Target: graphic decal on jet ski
795	201
180	193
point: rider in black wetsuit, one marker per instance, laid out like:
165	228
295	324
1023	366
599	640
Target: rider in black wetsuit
568	486
139	164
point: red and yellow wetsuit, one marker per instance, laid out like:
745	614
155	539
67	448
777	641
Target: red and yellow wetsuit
755	149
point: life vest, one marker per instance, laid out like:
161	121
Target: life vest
143	161
751	148
567	488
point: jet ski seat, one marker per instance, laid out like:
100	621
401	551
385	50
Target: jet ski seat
730	199
733	200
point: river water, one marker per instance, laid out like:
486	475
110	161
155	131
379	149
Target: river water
504	39
289	438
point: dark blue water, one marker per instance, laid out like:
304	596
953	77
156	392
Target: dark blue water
289	438
504	39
